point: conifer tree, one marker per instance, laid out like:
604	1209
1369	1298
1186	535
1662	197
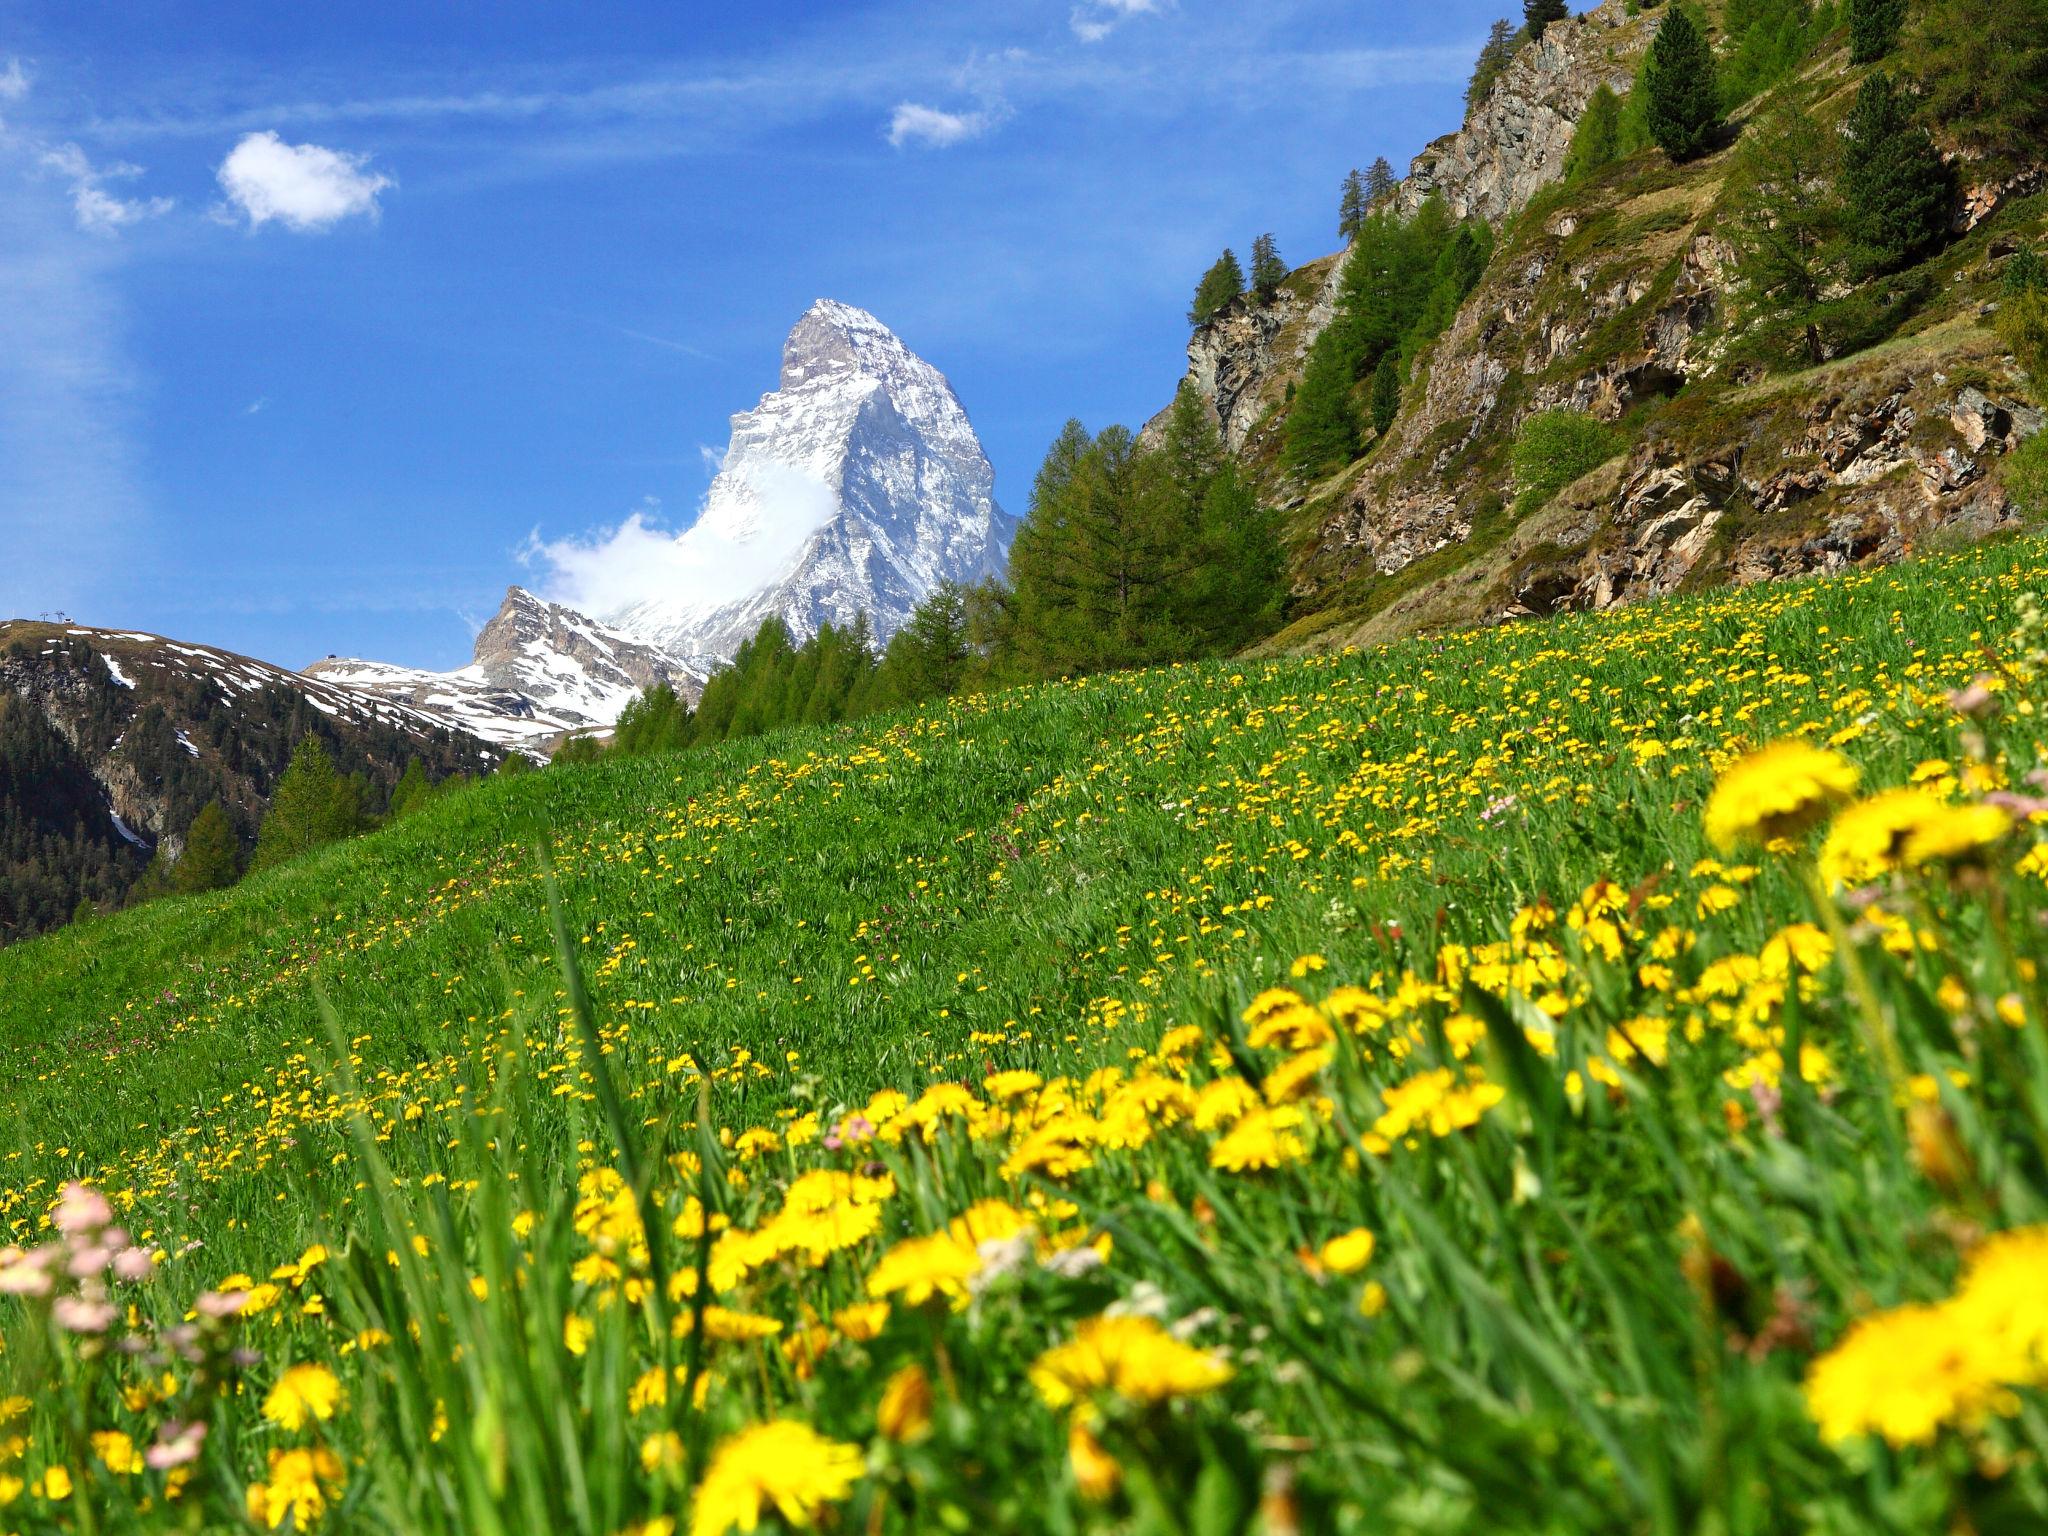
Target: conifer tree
212	857
1681	91
1351	204
1874	28
1787	218
1322	427
1379	181
1223	282
1268	270
1897	188
1596	142
311	806
1386	392
1982	71
1539	14
410	792
1494	57
657	720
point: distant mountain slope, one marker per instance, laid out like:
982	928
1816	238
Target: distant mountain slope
111	741
541	672
856	486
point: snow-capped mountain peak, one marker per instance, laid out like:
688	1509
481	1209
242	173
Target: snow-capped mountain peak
856	486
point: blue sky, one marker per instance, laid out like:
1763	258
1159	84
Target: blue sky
311	315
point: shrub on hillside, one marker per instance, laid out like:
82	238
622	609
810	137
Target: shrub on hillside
1553	449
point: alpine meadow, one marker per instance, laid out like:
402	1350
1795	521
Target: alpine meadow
1448	935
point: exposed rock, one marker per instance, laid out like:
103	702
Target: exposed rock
1514	140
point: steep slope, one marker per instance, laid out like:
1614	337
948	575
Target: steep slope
856	486
111	742
541	672
1622	297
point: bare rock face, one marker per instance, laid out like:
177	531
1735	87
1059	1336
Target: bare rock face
1514	141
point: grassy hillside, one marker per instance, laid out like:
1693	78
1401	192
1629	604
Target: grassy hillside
1342	1093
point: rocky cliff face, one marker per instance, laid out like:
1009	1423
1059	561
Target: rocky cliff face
855	487
1512	145
1513	142
541	672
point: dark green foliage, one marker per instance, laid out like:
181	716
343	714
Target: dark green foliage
1494	57
1538	15
657	721
212	859
1223	282
1322	426
1386	393
929	656
1351	205
1268	270
577	749
1681	95
2022	321
1597	141
1379	181
313	805
1554	448
1874	28
58	845
1766	41
2026	271
1402	284
1787	219
1896	187
1983	76
410	792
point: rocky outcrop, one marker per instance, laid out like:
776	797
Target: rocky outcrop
1514	140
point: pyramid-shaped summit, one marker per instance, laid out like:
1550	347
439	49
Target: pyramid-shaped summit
856	486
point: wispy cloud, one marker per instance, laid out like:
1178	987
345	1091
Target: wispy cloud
13	80
95	208
932	128
1093	20
305	187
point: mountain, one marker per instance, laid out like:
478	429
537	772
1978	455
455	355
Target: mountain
541	672
1742	437
111	741
856	486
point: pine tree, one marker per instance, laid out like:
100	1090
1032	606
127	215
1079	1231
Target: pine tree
1596	142
1983	77
1386	392
1268	270
1897	188
1351	204
1379	181
1494	57
1539	14
1223	282
1874	28
657	720
1682	95
312	805
410	792
213	855
1322	427
1787	219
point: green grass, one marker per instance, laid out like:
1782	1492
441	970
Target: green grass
380	1043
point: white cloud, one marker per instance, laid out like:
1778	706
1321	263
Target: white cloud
911	123
305	187
13	80
95	208
1093	20
763	518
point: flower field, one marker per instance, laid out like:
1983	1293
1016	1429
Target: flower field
1576	1077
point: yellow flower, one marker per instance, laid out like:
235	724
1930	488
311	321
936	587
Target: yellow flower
54	1485
1956	834
1903	1374
905	1412
1096	1472
661	1451
116	1452
1262	1140
784	1465
919	1268
303	1393
861	1321
1865	840
1349	1253
576	1332
1784	790
1131	1356
300	1486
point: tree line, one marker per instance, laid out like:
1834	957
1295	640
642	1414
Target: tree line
1130	555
